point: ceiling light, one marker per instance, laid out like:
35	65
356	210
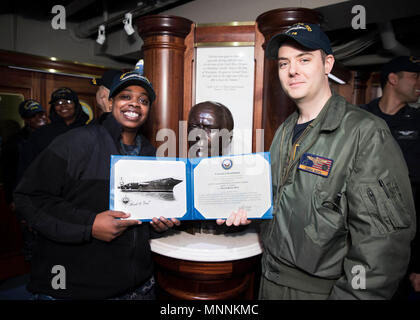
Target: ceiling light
101	35
128	26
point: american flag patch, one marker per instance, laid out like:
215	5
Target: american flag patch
315	164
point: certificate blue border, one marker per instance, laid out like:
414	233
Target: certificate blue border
190	165
116	158
197	215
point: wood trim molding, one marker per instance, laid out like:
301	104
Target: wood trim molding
49	65
227	34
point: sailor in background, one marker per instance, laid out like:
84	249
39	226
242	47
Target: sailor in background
104	85
66	113
400	82
34	117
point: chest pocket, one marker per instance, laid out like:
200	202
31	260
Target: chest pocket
385	205
328	219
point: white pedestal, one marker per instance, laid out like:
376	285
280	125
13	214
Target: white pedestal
208	247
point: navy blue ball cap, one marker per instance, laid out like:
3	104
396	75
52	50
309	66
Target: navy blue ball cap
64	93
129	79
402	63
107	78
308	35
29	108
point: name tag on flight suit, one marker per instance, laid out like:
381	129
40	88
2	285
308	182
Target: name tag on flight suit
315	164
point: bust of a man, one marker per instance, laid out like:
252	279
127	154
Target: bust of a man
211	123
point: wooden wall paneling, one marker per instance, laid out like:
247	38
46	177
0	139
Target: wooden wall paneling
17	81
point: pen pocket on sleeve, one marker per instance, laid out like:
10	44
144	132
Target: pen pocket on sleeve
385	205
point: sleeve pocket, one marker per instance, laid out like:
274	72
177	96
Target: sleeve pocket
385	205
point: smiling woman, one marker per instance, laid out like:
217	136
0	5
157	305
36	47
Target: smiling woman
72	228
131	96
66	110
130	108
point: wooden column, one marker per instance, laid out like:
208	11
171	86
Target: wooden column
164	49
276	105
360	85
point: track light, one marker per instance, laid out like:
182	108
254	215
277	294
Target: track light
101	35
128	26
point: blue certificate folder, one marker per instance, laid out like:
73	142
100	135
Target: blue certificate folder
191	189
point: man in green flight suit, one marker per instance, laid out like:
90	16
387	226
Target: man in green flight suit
342	204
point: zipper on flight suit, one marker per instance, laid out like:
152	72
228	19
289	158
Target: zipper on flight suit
289	166
291	160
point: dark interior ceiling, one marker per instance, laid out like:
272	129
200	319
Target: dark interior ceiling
81	10
392	27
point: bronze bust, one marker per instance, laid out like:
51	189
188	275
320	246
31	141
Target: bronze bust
212	124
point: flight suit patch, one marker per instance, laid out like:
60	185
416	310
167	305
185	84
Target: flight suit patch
315	164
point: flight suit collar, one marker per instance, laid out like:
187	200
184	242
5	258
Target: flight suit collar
328	120
332	114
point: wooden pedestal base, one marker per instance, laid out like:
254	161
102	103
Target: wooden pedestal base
191	280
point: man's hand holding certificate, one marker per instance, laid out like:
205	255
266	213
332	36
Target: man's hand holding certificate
192	189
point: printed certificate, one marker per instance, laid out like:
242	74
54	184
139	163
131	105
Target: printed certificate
191	189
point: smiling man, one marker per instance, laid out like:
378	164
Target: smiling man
343	212
65	197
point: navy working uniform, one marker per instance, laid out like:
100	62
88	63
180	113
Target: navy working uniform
405	128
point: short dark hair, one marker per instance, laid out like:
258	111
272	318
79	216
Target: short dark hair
384	81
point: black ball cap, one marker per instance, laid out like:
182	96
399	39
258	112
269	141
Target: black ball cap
402	63
29	108
129	79
107	78
308	35
64	93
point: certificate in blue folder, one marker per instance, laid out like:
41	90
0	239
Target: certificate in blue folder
191	189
